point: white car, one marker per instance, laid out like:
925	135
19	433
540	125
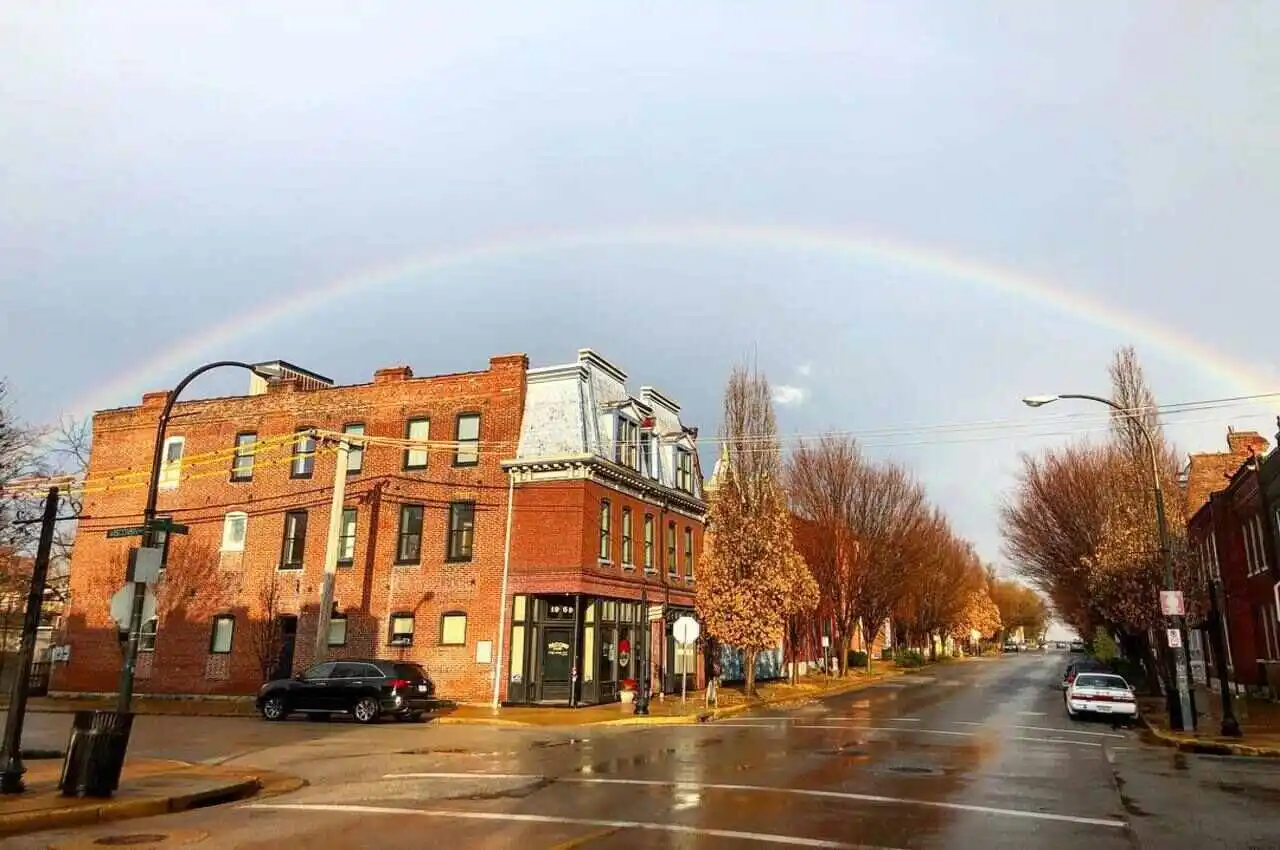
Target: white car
1101	693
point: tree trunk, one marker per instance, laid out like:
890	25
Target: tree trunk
933	647
869	642
749	673
846	641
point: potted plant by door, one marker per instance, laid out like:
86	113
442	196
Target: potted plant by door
628	691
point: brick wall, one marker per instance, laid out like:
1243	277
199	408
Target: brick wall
203	582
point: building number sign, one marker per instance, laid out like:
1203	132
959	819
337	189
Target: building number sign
560	612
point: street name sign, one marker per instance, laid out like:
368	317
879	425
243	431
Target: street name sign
127	531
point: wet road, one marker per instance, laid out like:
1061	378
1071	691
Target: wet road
966	755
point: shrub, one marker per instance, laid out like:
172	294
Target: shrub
886	653
910	658
1104	646
857	660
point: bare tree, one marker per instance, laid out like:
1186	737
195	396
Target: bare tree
265	637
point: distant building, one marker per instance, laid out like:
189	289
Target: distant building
607	498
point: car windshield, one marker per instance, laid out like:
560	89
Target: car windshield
410	671
1106	682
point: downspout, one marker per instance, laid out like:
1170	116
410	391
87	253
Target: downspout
502	594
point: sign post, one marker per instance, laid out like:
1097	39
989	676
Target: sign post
685	630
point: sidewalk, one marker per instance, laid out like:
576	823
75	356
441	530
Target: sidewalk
147	787
1259	720
669	709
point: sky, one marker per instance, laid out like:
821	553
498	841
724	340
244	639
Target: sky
909	215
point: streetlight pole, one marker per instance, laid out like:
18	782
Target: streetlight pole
1181	712
266	371
642	697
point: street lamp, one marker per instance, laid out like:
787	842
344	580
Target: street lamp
1181	714
642	696
266	371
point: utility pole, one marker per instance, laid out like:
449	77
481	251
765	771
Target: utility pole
11	779
325	612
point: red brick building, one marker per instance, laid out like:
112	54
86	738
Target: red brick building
425	538
1231	536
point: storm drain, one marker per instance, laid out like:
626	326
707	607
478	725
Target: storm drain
133	840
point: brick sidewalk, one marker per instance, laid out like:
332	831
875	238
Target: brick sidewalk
1259	721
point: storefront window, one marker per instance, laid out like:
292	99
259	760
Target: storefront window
626	654
609	612
608	652
518	608
589	653
517	653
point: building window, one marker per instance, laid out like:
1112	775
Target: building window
304	454
462	530
684	470
171	465
626	537
672	567
242	463
337	630
626	435
234	526
688	553
468	437
646	455
453	629
355	454
418	430
648	542
402	630
220	637
606	528
347	537
409	549
295	538
147	635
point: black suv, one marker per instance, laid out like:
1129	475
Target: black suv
367	689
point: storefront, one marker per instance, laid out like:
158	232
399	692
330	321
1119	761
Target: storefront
573	649
679	661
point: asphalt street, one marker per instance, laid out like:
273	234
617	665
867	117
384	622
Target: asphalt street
975	754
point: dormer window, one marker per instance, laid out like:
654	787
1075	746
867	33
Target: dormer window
626	442
647	466
684	470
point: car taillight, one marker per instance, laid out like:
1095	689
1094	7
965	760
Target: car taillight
399	683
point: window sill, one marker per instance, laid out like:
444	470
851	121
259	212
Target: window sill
465	463
631	568
242	480
454	645
347	562
290	568
603	562
650	571
301	476
465	560
239	551
422	468
416	563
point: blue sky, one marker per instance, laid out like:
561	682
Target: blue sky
166	168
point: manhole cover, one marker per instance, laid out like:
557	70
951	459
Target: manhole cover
130	840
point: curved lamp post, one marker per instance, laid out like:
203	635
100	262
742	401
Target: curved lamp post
1181	712
267	371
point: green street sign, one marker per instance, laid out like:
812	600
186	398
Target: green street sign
131	531
169	526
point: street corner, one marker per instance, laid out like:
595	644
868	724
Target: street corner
1156	734
149	787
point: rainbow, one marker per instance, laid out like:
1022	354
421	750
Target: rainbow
218	340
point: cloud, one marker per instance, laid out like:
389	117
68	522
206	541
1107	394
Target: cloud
788	395
804	369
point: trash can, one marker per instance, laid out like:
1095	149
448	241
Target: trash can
95	753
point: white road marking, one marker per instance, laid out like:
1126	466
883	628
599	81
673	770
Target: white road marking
519	817
904	719
1034	713
532	777
846	795
1057	741
1111	756
1041	729
911	730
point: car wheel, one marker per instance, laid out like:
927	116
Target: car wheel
274	708
365	710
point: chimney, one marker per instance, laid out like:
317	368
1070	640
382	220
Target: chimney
392	374
1245	443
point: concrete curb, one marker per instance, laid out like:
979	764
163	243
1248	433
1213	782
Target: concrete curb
65	817
1203	746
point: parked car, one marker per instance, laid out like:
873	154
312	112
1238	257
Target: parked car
367	689
1077	646
1010	646
1084	665
1101	693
